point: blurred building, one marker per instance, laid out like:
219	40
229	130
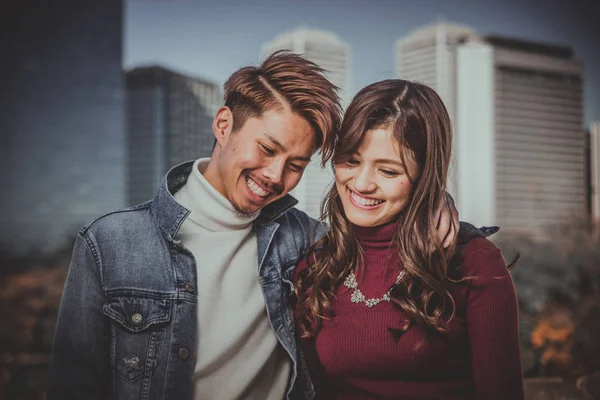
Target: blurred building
428	55
62	120
169	121
333	54
520	134
594	171
588	172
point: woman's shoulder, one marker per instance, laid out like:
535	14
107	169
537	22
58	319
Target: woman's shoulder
480	246
483	260
304	263
300	267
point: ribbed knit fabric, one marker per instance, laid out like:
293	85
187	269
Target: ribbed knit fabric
354	356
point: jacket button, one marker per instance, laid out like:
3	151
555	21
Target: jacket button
184	353
190	287
137	318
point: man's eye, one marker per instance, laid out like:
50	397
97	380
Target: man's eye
296	168
352	162
267	150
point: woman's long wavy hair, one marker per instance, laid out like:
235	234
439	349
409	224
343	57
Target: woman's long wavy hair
421	127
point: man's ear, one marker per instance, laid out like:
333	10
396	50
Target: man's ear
222	124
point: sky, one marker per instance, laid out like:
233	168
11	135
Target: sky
211	39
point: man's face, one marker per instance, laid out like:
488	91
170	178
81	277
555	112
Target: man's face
264	160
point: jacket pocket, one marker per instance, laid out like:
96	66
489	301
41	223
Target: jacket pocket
138	330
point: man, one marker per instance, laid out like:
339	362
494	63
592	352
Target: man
186	296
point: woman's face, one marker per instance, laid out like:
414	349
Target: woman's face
372	184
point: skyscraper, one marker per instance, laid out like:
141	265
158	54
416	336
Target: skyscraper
428	55
594	165
330	52
169	121
62	138
520	134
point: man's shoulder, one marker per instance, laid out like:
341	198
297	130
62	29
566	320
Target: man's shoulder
122	220
130	250
295	226
295	221
299	216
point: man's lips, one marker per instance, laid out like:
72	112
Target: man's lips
261	188
255	188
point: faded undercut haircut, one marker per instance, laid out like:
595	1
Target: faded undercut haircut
290	78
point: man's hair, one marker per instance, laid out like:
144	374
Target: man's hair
286	79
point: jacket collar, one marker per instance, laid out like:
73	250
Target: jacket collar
170	214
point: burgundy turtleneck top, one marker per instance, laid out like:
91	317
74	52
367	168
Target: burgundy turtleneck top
355	357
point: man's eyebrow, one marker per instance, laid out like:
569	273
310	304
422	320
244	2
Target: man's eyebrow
281	147
307	159
275	142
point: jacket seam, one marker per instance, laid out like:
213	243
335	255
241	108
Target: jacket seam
90	244
305	233
182	217
137	292
138	207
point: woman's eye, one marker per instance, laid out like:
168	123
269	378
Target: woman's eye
352	162
389	173
266	149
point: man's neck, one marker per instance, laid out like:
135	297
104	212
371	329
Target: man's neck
208	208
213	176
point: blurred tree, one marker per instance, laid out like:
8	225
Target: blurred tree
558	284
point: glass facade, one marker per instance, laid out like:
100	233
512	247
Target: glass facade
169	121
62	139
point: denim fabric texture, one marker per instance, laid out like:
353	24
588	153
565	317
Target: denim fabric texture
127	323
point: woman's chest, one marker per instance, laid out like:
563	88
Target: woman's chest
360	339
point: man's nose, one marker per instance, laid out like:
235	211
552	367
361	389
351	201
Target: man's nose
274	171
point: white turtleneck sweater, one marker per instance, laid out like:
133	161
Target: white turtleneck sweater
238	355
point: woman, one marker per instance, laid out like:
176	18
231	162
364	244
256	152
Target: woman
384	310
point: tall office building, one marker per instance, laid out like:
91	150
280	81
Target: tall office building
62	120
428	55
594	169
520	134
169	121
330	52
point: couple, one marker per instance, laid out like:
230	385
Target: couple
219	289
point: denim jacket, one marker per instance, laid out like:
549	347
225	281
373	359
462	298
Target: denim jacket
127	324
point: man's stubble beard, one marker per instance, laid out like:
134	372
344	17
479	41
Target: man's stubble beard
240	212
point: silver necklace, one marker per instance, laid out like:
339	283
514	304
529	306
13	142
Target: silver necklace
358	297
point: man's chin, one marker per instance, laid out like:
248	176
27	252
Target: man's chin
249	209
246	210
